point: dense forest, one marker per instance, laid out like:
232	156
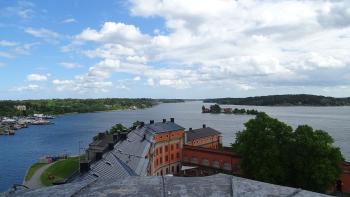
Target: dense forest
61	106
284	100
170	100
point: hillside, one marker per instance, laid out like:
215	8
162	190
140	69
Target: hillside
61	106
283	100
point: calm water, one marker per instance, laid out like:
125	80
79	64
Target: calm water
20	151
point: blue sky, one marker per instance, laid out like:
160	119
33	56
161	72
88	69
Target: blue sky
173	49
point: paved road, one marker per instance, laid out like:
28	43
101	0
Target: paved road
34	182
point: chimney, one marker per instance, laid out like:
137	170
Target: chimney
204	126
142	124
110	146
190	129
172	119
151	122
164	120
84	166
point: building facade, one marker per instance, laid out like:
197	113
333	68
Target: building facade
205	137
166	151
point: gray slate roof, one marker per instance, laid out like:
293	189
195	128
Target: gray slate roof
201	133
160	127
127	159
217	185
129	156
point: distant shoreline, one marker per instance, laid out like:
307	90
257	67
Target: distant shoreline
301	100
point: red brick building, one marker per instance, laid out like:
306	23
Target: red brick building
166	151
345	178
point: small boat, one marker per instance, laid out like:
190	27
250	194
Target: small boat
11	132
41	122
17	126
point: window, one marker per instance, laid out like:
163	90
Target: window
166	158
177	155
177	146
171	147
161	161
172	156
166	148
160	150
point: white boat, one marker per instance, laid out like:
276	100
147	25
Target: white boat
41	122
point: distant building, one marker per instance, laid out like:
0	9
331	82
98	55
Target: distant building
227	110
204	137
21	107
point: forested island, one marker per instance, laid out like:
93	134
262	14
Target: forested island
61	106
215	109
283	100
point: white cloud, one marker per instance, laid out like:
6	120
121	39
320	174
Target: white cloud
6	54
243	44
113	33
36	77
5	43
46	34
137	78
69	20
70	65
25	49
150	82
83	84
30	87
23	9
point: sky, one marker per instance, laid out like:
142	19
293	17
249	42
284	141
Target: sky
173	48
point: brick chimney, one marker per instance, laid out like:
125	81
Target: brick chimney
204	126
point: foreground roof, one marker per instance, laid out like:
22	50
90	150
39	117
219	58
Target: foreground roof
217	185
201	133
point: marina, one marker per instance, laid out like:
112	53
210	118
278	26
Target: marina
9	126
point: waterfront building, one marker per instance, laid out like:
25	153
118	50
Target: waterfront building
21	107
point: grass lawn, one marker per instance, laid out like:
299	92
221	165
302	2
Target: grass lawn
60	170
33	169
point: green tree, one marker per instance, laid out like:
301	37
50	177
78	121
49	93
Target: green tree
118	128
215	108
314	161
273	153
262	145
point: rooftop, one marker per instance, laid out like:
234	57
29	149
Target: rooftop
160	127
217	185
201	133
128	158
